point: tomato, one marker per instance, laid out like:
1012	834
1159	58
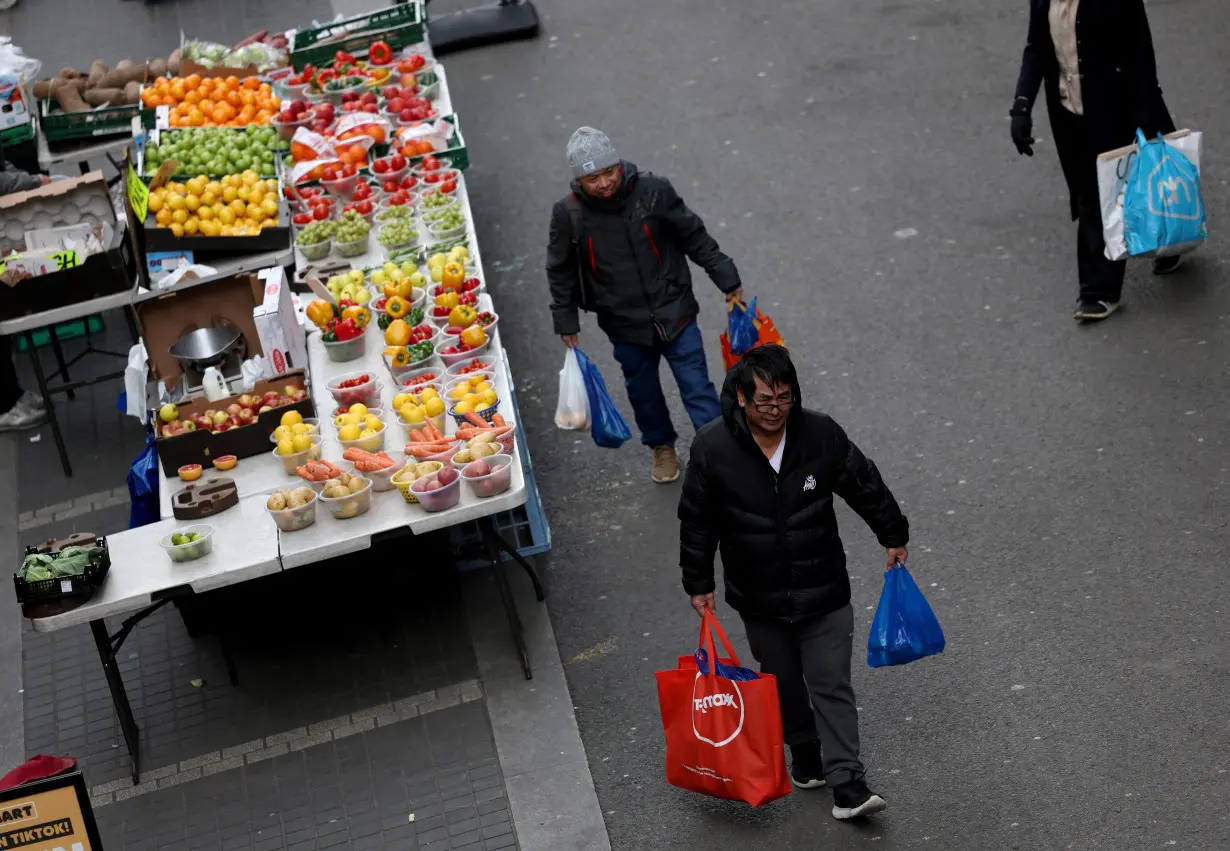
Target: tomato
320	213
302	219
380	167
448	186
397	161
391	186
349	170
364	208
430	164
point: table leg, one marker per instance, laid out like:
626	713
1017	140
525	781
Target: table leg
51	411
59	353
119	697
521	560
491	538
131	317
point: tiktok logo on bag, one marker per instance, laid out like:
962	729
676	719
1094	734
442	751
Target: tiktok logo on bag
717	710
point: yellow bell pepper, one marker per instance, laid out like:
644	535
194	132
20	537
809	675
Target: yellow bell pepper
397	307
453	277
399	287
319	312
397	355
360	315
462	316
448	299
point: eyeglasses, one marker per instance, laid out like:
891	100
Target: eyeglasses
772	407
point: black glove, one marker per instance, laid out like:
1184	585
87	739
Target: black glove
1022	128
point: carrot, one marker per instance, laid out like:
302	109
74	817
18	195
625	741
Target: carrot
474	418
417	436
497	420
432	431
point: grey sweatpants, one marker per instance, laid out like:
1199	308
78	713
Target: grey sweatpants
811	661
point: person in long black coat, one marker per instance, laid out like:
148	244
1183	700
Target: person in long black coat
1095	59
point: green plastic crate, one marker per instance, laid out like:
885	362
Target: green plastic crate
64	331
456	150
400	26
61	126
17	135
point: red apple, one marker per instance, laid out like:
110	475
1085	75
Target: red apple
222	426
406	115
265	408
233	409
370	107
246	415
396	104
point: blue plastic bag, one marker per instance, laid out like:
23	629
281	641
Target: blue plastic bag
143	486
1163	207
904	628
608	427
741	327
730	672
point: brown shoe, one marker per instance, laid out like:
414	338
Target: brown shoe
665	465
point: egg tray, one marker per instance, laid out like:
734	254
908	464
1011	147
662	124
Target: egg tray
88	202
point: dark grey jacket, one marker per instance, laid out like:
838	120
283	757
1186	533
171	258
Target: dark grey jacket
13	179
630	264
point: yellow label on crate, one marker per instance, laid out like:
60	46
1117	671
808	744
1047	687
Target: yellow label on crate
138	194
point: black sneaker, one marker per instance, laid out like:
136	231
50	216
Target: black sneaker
1090	310
1166	265
853	799
806	766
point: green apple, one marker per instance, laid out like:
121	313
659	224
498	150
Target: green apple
437	260
378	277
408	268
417	279
390	269
356	276
168	413
437	273
362	295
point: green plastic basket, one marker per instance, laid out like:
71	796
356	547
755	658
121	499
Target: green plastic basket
61	126
400	26
17	135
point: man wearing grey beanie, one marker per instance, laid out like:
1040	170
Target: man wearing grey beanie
619	247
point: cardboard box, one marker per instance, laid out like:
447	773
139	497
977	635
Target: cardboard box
15	103
64	203
201	447
282	338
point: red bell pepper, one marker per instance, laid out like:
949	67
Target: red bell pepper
380	53
346	330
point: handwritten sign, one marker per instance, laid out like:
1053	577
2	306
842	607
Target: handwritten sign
138	194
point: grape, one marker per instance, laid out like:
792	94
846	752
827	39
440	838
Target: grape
446	219
316	232
399	211
351	227
435	199
397	232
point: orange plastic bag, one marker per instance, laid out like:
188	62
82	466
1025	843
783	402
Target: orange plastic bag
766	331
723	737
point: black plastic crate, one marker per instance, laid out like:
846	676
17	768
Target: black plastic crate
62	588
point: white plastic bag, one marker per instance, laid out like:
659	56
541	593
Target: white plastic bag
1114	168
572	412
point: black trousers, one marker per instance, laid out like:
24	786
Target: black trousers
10	390
811	661
1100	279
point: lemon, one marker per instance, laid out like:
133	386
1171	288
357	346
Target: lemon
434	406
358	408
281	433
488	397
349	432
462	408
365	433
301	442
459	392
286	447
291	417
482	386
470	399
428	393
372	423
413	414
300	428
401	399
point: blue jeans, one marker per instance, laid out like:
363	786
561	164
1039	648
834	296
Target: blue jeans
686	356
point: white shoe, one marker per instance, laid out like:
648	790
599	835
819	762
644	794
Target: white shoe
31	401
20	418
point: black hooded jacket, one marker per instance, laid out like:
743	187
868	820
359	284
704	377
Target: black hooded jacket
781	554
630	266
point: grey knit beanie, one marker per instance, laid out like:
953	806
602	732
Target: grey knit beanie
590	150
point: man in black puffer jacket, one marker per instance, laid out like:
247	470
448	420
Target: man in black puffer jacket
619	246
759	488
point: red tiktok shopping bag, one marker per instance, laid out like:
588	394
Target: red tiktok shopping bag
723	736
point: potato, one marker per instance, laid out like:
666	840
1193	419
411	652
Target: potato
306	493
43	89
119	78
357	484
173	62
70	99
132	93
336	492
97	69
463	456
333	483
99	97
293	500
69	73
277	501
483	450
157	68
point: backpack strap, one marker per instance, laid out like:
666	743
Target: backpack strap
573	203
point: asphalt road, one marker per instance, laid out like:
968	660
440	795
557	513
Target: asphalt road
1065	485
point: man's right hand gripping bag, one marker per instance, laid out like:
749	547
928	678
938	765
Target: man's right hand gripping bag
904	628
746	328
723	736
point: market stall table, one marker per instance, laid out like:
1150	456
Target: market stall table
143	578
79	153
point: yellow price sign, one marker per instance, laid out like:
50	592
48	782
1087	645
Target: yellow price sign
138	194
66	259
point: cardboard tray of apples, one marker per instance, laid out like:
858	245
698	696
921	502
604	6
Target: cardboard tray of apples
197	431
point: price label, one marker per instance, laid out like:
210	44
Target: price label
138	194
66	259
162	117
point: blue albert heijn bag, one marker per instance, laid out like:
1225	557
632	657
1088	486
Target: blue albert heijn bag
904	628
741	327
143	486
608	427
1163	207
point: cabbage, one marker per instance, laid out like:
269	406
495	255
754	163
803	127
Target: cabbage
37	567
205	52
